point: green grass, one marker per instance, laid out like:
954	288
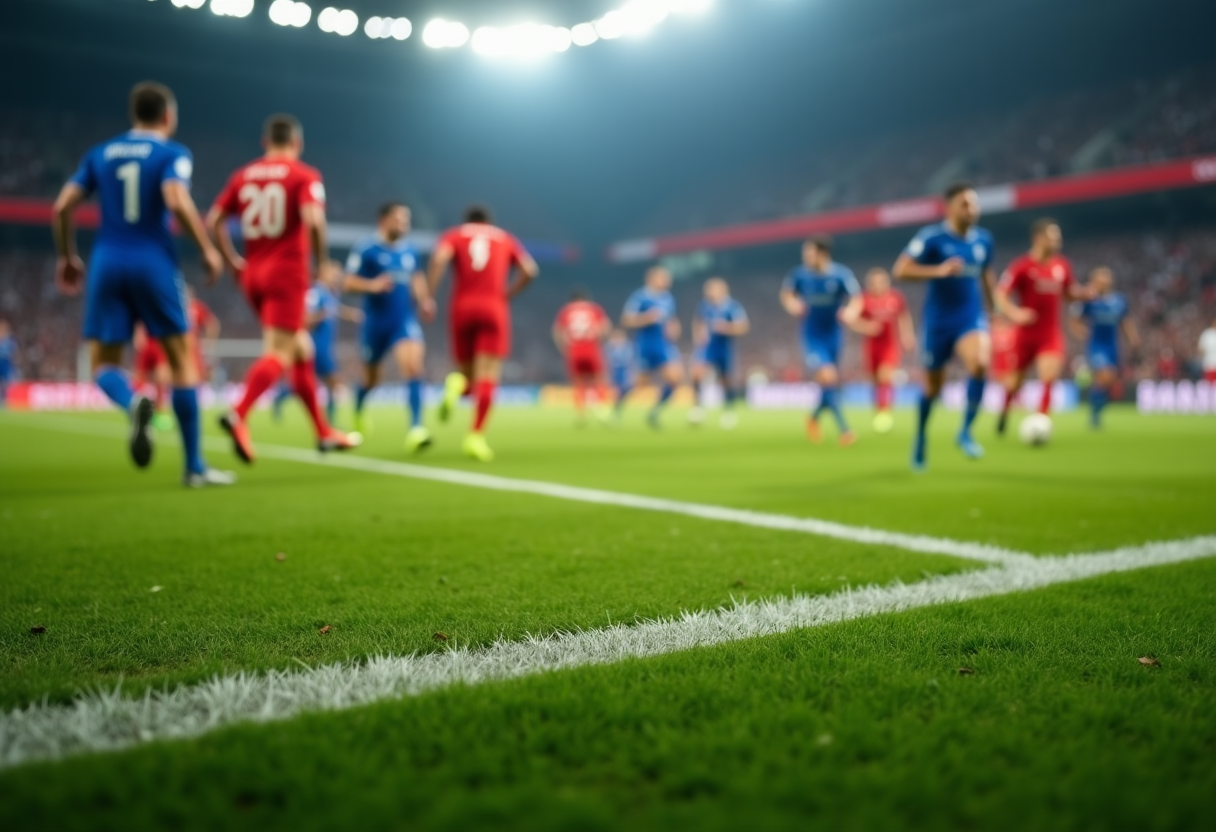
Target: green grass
1053	731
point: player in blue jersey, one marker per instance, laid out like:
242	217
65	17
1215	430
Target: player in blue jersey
954	257
141	179
619	354
8	359
1101	319
385	270
650	312
824	294
719	322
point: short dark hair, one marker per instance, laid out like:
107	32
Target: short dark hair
955	189
478	213
149	101
579	293
1041	225
388	208
823	242
281	130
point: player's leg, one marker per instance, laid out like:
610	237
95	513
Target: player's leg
697	375
974	349
162	378
184	378
828	379
884	396
486	371
410	355
1048	367
1012	385
937	350
1099	393
304	383
374	344
724	366
672	375
462	334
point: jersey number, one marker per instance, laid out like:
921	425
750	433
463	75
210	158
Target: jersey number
265	212
479	253
129	174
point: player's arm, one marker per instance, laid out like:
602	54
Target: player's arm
441	258
422	296
1002	297
632	319
69	268
988	286
908	268
1077	326
739	326
790	301
353	314
217	227
559	336
181	204
526	271
700	331
1131	332
313	216
850	316
907	330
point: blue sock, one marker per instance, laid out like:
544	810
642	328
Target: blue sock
113	382
361	397
975	396
924	408
833	402
1098	397
415	396
185	406
665	394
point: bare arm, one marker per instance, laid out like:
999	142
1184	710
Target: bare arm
792	303
907	331
1078	329
350	313
1004	305
441	257
908	269
367	285
217	225
1131	332
559	338
700	332
527	272
422	296
988	285
638	320
850	316
181	204
69	268
313	215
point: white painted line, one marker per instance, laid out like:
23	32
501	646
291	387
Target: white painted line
111	722
982	552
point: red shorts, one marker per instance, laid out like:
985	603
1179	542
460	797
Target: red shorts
480	329
1209	376
1030	344
585	359
150	356
882	353
277	296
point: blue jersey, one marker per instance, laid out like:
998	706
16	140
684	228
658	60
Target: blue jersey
321	301
8	353
1104	316
954	304
619	355
824	294
729	311
652	337
398	260
127	174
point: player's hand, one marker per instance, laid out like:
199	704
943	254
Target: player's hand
382	285
69	275
427	309
213	265
237	266
952	267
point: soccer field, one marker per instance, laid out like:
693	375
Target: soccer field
610	627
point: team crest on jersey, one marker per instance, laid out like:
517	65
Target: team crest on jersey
183	167
980	252
318	191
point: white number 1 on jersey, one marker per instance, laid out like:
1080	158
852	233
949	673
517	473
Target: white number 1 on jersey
129	174
479	252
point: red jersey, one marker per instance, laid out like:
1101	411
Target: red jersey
582	322
1004	348
884	310
268	195
1041	287
483	256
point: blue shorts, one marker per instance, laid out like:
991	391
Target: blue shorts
125	286
652	357
324	361
937	346
378	337
719	356
1103	356
622	377
819	352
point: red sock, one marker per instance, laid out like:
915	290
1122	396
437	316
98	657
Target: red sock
1010	396
484	393
886	396
162	397
263	375
1045	401
580	397
602	396
304	382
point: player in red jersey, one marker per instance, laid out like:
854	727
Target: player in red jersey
1042	280
1004	351
151	369
579	332
204	332
482	257
280	202
886	323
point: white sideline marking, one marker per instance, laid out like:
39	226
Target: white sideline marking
109	721
807	525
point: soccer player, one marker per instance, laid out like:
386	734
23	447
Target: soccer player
322	310
1104	315
886	324
620	356
142	179
8	359
955	258
482	257
151	370
1041	279
823	294
385	271
579	332
650	312
719	322
1207	353
204	332
280	202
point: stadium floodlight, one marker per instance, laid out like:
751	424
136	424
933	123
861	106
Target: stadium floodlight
688	6
338	21
638	17
401	28
583	34
189	4
290	13
529	40
611	26
445	34
232	8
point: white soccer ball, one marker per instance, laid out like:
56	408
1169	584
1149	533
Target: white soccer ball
1035	429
